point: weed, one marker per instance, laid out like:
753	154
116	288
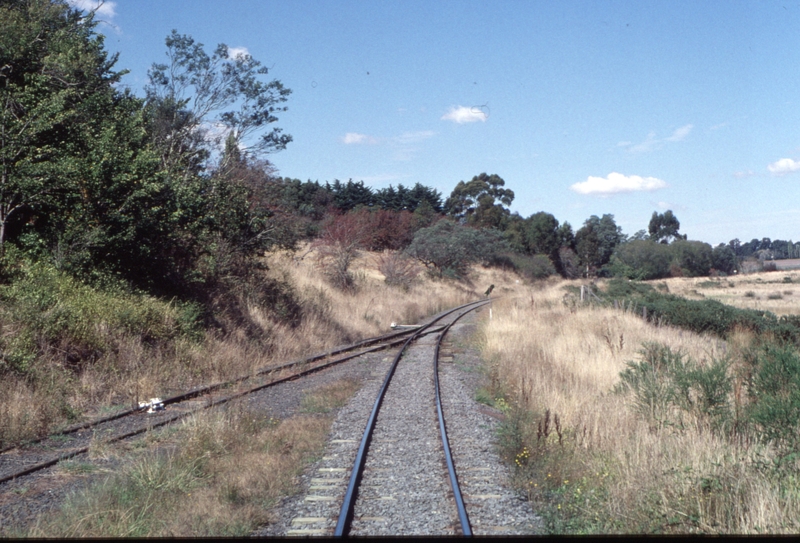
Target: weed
329	397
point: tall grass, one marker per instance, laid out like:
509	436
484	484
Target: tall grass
600	461
69	351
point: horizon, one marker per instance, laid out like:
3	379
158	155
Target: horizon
583	109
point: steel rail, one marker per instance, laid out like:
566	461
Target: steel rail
466	528
348	505
75	452
216	386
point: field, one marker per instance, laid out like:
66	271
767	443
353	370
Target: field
778	292
788	264
620	426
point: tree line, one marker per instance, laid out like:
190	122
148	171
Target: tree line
173	193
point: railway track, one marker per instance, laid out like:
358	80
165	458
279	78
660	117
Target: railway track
388	469
371	509
37	455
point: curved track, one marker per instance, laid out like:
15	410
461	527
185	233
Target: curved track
69	442
343	526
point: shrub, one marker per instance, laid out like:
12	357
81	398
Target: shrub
666	385
338	245
775	396
641	260
48	310
533	267
447	248
398	269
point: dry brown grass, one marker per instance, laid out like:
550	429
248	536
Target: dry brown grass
53	394
217	475
766	291
604	468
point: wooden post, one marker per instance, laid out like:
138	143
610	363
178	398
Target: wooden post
583	288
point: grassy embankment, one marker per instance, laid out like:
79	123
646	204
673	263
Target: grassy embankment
195	485
70	351
620	425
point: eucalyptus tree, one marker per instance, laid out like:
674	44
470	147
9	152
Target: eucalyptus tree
196	101
481	202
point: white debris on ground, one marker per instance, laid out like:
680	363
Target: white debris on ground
155	404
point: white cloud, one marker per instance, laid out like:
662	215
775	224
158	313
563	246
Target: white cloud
463	114
414	137
234	52
744	174
652	142
104	9
680	133
354	138
784	166
647	145
616	183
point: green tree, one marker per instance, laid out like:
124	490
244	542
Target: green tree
595	242
641	260
664	227
448	248
195	90
723	259
544	237
693	257
55	79
481	202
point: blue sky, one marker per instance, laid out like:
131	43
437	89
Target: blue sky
583	108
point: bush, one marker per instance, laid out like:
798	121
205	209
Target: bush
447	248
50	311
666	385
533	267
775	396
342	237
641	260
398	269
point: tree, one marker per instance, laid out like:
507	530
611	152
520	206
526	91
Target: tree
723	259
476	203
544	237
194	91
448	248
341	239
693	257
596	240
664	227
347	196
55	78
641	260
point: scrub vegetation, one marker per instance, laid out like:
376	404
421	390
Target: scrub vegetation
669	424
